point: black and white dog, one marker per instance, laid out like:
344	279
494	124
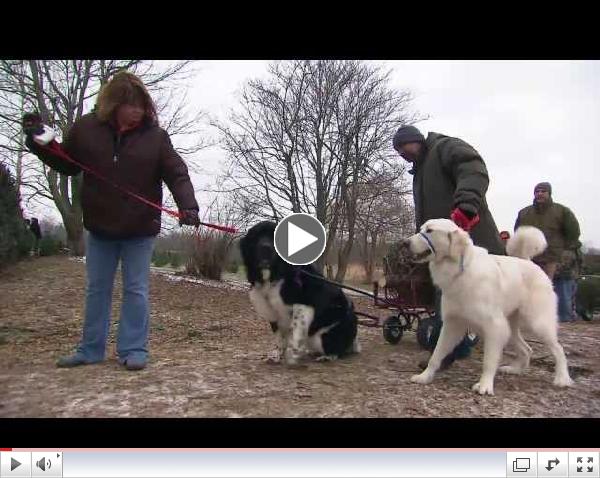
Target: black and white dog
308	315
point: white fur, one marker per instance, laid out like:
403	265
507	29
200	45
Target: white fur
527	242
266	299
496	296
302	316
292	322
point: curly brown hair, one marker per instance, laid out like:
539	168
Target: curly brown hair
122	89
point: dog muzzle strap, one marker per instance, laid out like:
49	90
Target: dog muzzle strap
428	241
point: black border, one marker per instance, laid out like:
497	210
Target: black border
300	433
348	31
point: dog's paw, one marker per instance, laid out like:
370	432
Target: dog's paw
563	382
271	360
274	357
484	389
326	358
293	359
510	369
422	378
296	364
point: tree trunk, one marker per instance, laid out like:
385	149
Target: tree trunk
344	259
21	142
371	253
75	235
365	254
19	173
321	216
70	210
346	250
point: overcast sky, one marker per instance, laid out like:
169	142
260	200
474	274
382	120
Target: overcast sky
531	121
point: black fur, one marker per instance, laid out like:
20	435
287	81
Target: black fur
329	302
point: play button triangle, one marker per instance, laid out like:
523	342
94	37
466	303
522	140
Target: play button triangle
298	239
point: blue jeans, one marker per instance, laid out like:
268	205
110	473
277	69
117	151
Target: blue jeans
565	290
102	258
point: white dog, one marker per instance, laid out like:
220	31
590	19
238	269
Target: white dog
496	296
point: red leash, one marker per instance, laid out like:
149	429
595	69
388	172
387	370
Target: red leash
55	149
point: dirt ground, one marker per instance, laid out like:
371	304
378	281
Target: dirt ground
208	352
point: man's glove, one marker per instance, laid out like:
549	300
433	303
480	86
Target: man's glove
462	219
35	130
189	217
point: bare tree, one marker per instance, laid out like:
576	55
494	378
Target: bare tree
62	91
280	142
384	214
263	143
323	143
307	137
367	114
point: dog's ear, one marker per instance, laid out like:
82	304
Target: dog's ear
459	241
250	238
248	241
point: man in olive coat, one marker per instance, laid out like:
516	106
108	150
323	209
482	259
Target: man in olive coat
561	230
450	180
557	222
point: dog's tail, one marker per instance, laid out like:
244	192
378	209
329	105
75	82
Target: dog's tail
527	242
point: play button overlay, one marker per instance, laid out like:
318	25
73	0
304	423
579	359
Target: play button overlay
300	239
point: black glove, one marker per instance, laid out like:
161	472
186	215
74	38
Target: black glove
189	217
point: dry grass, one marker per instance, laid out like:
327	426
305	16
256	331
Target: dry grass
207	253
355	274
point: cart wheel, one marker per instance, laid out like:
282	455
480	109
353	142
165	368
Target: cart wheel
392	329
425	329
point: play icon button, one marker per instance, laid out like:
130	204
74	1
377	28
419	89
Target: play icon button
300	239
15	463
